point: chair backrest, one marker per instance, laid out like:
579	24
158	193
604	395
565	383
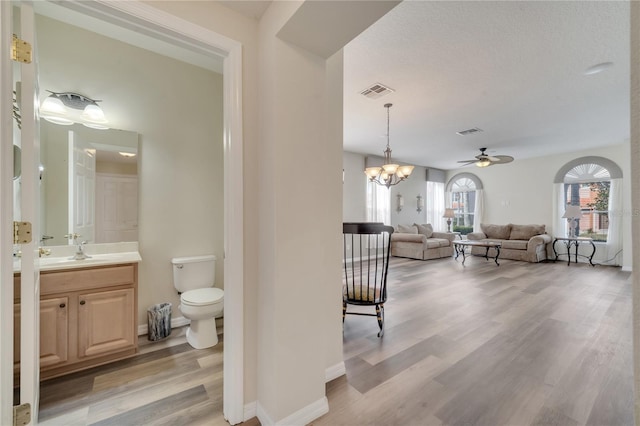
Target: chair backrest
367	247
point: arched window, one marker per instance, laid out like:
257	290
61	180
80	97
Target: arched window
586	183
464	196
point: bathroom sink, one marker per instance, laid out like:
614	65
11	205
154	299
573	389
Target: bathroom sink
61	257
51	263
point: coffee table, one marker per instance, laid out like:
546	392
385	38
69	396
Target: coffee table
460	247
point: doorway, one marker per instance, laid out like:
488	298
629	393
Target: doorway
152	22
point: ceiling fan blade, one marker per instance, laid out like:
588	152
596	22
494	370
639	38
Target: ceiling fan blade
467	161
491	158
502	159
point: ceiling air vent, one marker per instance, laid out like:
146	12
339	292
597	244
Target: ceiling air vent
376	91
468	131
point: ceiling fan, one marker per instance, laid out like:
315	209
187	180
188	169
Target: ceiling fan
484	160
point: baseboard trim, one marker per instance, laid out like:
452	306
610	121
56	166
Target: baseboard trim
626	269
301	417
175	322
263	416
334	372
250	411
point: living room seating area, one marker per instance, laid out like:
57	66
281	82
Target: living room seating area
519	242
421	242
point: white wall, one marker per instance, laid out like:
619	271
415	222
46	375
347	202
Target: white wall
177	110
521	192
354	193
215	17
410	188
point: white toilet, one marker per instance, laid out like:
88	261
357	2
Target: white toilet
200	302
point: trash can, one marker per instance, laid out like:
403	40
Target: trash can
159	321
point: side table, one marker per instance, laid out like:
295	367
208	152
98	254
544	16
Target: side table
575	242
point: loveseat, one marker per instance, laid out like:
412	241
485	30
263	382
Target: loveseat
519	242
420	242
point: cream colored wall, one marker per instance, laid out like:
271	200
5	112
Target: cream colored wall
213	16
177	109
635	178
410	188
522	191
354	194
299	230
116	168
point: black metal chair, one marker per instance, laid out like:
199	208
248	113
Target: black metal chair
367	248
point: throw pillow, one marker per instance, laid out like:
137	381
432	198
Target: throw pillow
525	232
426	229
407	229
497	232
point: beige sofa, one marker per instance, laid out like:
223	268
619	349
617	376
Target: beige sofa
519	242
420	242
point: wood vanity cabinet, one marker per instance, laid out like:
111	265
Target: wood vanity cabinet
88	317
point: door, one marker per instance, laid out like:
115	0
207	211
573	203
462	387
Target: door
19	201
82	187
116	208
104	322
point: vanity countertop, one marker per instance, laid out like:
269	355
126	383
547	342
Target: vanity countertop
101	254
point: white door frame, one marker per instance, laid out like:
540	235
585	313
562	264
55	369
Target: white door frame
159	22
6	217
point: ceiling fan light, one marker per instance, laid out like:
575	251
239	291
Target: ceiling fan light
483	163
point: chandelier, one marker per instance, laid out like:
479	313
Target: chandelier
389	174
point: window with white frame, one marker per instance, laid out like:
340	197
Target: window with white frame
588	186
591	189
462	193
378	203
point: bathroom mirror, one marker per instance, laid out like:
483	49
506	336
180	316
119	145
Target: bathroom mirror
88	184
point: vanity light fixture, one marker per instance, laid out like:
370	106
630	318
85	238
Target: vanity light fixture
419	203
400	202
67	108
127	154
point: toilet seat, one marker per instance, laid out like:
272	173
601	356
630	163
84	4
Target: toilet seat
202	296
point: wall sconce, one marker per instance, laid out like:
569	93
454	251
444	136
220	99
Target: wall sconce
449	214
67	108
419	203
400	202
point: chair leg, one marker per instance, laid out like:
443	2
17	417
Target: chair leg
344	310
380	316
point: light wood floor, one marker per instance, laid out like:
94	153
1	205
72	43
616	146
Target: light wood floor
518	344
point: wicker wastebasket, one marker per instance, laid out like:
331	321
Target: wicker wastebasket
159	321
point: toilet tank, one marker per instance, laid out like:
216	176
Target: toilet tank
190	273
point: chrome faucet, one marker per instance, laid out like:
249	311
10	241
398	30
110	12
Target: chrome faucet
80	254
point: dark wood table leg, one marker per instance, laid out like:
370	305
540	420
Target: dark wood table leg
497	254
554	249
593	246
